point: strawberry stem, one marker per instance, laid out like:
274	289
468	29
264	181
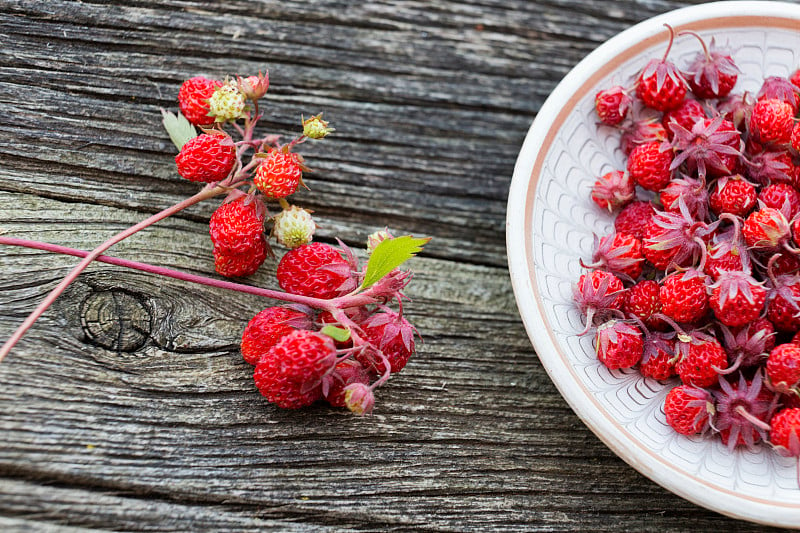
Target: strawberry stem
209	191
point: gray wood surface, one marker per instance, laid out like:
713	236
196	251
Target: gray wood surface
158	427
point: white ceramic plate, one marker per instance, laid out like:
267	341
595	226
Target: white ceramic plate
550	223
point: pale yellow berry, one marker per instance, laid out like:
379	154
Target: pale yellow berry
293	227
316	128
376	238
227	103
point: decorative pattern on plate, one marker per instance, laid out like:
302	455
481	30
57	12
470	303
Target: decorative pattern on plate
560	223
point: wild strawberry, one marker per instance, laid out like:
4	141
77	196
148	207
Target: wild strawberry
688	409
598	295
686	115
266	328
710	147
785	432
770	166
293	227
613	190
317	270
618	344
345	373
776	195
658	356
633	218
743	409
692	191
206	158
683	296
290	373
734	195
771	121
783	367
780	88
242	264
649	166
736	108
748	345
642	301
712	73
766	229
700	359
737	298
612	105
642	132
236	226
193	99
795	78
660	85
618	253
724	255
391	334
794	140
279	174
675	238
783	307
227	103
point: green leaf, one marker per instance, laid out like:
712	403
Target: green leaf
179	129
390	254
337	334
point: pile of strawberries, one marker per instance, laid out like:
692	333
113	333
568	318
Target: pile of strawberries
700	278
337	338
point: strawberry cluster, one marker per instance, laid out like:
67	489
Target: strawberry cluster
700	278
337	338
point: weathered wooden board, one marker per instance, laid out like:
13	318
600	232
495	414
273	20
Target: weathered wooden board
147	419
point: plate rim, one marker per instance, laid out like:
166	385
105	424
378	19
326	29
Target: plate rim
521	198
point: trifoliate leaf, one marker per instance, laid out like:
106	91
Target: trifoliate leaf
179	129
336	333
390	254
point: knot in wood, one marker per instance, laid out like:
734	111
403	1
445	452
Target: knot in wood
116	320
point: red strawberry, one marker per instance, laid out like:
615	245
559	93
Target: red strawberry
766	229
734	195
346	373
266	328
660	84
783	367
393	335
710	147
649	166
673	238
780	88
783	307
618	345
206	158
317	270
290	373
701	358
775	195
598	294
795	138
749	345
686	115
771	121
785	432
193	99
612	105
641	132
658	357
693	193
683	296
712	73
613	190
770	166
742	411
737	298
241	264
688	409
633	218
643	301
236	226
618	253
279	174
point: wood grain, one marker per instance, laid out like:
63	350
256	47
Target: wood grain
161	429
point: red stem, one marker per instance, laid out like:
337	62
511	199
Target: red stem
208	191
